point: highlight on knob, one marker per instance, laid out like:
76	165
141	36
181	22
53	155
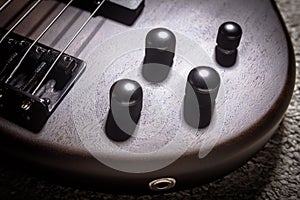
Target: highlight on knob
126	102
159	54
202	88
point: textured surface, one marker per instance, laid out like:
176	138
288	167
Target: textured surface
272	173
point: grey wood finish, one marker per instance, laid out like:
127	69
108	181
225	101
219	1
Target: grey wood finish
256	92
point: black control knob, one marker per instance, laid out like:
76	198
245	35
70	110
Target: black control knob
159	54
126	102
201	91
228	40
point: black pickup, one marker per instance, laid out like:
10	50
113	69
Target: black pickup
123	11
24	97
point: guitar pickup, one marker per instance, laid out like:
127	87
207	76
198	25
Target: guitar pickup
123	11
29	96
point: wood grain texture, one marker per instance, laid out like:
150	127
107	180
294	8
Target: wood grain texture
254	89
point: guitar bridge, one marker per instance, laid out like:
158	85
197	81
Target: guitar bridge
29	96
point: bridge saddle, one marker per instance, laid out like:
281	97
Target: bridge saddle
22	100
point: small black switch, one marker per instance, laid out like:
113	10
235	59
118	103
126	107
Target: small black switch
126	101
228	40
159	54
201	91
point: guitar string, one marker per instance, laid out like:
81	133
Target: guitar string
36	40
21	19
5	4
66	47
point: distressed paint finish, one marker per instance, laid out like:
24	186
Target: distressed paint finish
260	82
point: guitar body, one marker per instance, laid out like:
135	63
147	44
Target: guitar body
164	153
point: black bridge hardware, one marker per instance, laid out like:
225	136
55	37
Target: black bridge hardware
18	101
123	11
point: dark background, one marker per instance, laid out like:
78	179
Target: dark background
273	173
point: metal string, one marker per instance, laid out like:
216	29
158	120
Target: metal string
66	47
36	40
5	4
20	20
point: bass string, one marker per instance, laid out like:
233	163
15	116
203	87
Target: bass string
36	40
68	44
21	19
5	4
